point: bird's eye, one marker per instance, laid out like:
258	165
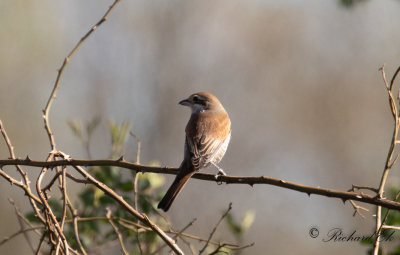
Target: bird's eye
195	99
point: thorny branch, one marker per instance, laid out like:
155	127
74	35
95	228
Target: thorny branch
389	159
249	180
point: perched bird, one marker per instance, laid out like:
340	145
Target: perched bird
207	137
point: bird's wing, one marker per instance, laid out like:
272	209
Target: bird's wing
202	150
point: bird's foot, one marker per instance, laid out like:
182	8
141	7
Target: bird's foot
220	170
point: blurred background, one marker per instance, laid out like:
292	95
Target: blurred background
299	80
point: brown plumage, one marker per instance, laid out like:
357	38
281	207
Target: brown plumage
207	137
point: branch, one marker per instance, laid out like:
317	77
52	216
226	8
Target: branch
140	216
343	195
46	110
215	228
389	159
26	182
117	232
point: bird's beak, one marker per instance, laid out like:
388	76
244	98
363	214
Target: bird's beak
185	102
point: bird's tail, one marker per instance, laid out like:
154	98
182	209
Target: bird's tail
174	190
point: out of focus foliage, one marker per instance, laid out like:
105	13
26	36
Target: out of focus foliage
350	3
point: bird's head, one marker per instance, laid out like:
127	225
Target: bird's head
202	101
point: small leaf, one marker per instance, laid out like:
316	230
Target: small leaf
92	125
248	219
76	128
87	197
126	186
31	217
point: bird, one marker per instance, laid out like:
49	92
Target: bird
208	133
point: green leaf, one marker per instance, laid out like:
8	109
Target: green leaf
248	219
126	186
92	125
234	227
87	197
76	128
31	217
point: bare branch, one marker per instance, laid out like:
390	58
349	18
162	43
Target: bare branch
140	216
357	209
26	186
249	180
139	146
52	222
135	184
116	230
46	110
215	228
75	219
389	163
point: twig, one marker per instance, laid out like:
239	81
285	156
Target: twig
356	187
40	243
21	231
26	186
357	209
234	248
56	234
139	146
391	227
215	228
52	181
61	70
137	227
135	184
63	188
75	219
22	220
116	230
140	216
77	180
176	235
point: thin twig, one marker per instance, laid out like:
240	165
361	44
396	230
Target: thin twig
52	181
138	227
391	227
40	243
135	184
357	209
116	230
22	220
356	187
46	110
63	188
77	180
57	233
176	235
26	185
75	219
215	228
140	216
19	232
234	248
139	146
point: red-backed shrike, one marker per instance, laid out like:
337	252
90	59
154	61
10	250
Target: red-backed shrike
207	137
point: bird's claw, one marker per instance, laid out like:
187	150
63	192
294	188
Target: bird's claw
221	172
